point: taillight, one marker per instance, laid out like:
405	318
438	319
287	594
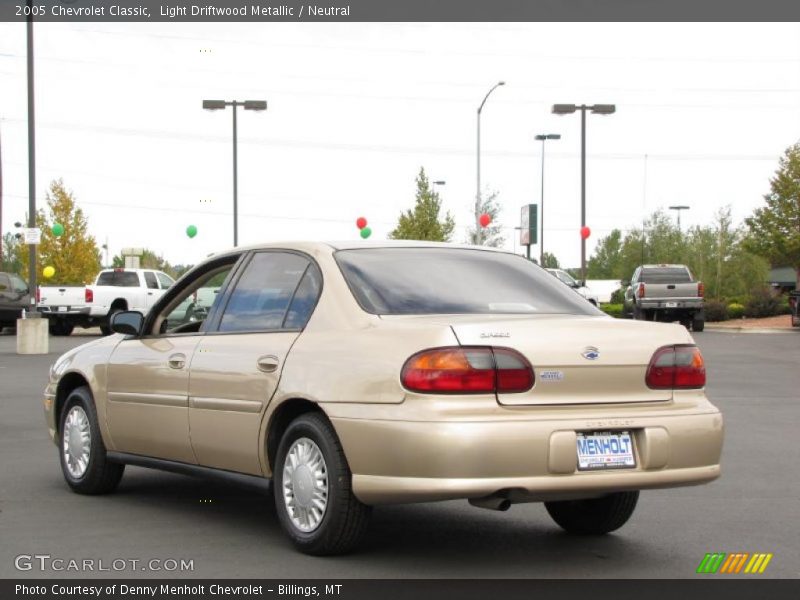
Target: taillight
467	370
640	291
88	295
701	289
676	367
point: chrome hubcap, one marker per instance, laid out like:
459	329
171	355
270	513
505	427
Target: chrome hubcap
77	442
305	485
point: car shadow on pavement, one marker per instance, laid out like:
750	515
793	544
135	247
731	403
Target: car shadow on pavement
444	539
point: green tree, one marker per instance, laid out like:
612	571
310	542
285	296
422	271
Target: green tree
493	234
549	261
423	223
74	255
774	229
11	262
604	264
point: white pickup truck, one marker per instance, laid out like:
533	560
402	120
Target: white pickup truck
114	290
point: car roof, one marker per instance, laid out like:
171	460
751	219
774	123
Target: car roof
353	245
664	267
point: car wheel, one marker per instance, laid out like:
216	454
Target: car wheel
698	324
639	314
106	329
84	462
595	516
312	485
60	328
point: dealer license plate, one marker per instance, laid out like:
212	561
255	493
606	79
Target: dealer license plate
605	450
671	304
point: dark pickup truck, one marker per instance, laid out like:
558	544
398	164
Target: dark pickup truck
14	296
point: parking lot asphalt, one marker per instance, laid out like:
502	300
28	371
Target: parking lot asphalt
232	531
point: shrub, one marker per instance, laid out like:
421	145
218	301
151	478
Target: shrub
735	310
763	302
614	310
783	305
716	311
618	296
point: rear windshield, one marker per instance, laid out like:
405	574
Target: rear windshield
118	278
665	275
415	281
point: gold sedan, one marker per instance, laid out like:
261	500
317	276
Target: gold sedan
355	375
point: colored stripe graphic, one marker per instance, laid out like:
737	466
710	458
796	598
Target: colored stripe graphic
758	564
711	562
734	563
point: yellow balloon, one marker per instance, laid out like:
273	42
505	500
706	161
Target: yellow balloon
48	272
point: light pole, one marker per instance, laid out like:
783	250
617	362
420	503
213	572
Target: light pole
599	109
543	137
679	208
478	192
248	105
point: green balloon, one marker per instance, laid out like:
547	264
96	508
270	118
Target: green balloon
191	231
366	232
57	229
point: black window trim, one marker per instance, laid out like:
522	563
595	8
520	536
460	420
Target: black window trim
215	320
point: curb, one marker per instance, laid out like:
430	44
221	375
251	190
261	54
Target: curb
746	330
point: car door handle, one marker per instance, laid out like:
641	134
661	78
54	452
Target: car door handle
177	361
268	364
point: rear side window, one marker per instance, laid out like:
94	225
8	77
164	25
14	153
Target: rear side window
150	280
262	295
305	299
118	278
413	281
665	275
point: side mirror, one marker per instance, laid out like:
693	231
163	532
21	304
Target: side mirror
128	322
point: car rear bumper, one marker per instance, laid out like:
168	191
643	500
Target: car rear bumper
668	304
402	461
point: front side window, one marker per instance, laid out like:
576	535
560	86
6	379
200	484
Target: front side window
412	281
194	305
261	298
165	280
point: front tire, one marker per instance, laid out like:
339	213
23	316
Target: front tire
312	484
595	516
84	462
106	328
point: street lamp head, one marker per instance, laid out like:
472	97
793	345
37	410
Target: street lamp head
553	136
255	105
679	207
501	83
439	182
213	104
604	109
564	109
540	137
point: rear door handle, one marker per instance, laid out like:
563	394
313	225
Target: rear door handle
268	364
177	361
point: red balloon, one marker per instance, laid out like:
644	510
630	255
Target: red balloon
585	232
485	220
361	222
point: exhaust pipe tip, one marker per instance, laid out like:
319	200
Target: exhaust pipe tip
491	503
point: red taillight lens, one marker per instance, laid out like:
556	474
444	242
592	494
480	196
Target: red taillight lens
640	291
88	295
701	289
676	367
467	370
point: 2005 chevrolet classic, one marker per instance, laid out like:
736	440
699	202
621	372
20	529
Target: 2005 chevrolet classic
354	375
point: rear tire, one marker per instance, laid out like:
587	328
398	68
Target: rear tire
59	328
324	481
596	516
698	324
106	328
84	461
